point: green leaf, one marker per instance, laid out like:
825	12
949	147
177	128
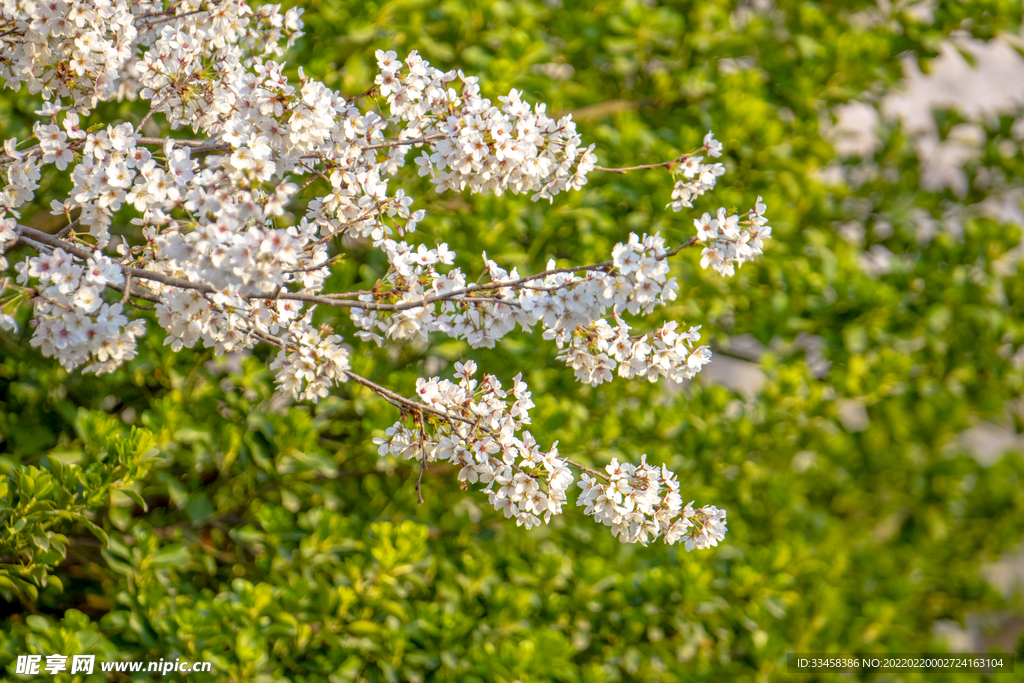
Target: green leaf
174	554
136	498
96	530
37	623
199	508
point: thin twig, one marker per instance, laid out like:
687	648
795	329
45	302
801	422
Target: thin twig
160	19
317	174
376	207
627	169
488	300
152	110
644	167
41	248
349	295
404	143
196	146
323	264
363	94
127	289
589	470
423	462
67	228
400	400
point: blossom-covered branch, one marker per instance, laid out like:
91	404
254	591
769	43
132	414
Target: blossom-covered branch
217	250
482	432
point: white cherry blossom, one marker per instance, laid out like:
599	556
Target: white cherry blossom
226	259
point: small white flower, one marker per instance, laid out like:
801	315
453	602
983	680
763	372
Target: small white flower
625	258
714	147
707	227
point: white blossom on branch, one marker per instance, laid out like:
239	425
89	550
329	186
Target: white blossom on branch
220	253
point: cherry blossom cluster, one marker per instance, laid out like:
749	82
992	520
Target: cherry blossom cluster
106	336
485	148
22	174
73	323
478	426
637	282
111	162
236	256
597	351
572	309
565	304
729	242
8	236
642	503
73	50
313	362
569	307
694	177
219	251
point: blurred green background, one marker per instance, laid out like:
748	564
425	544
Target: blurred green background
860	427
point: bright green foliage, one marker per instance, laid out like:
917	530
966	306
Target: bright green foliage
35	501
272	541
